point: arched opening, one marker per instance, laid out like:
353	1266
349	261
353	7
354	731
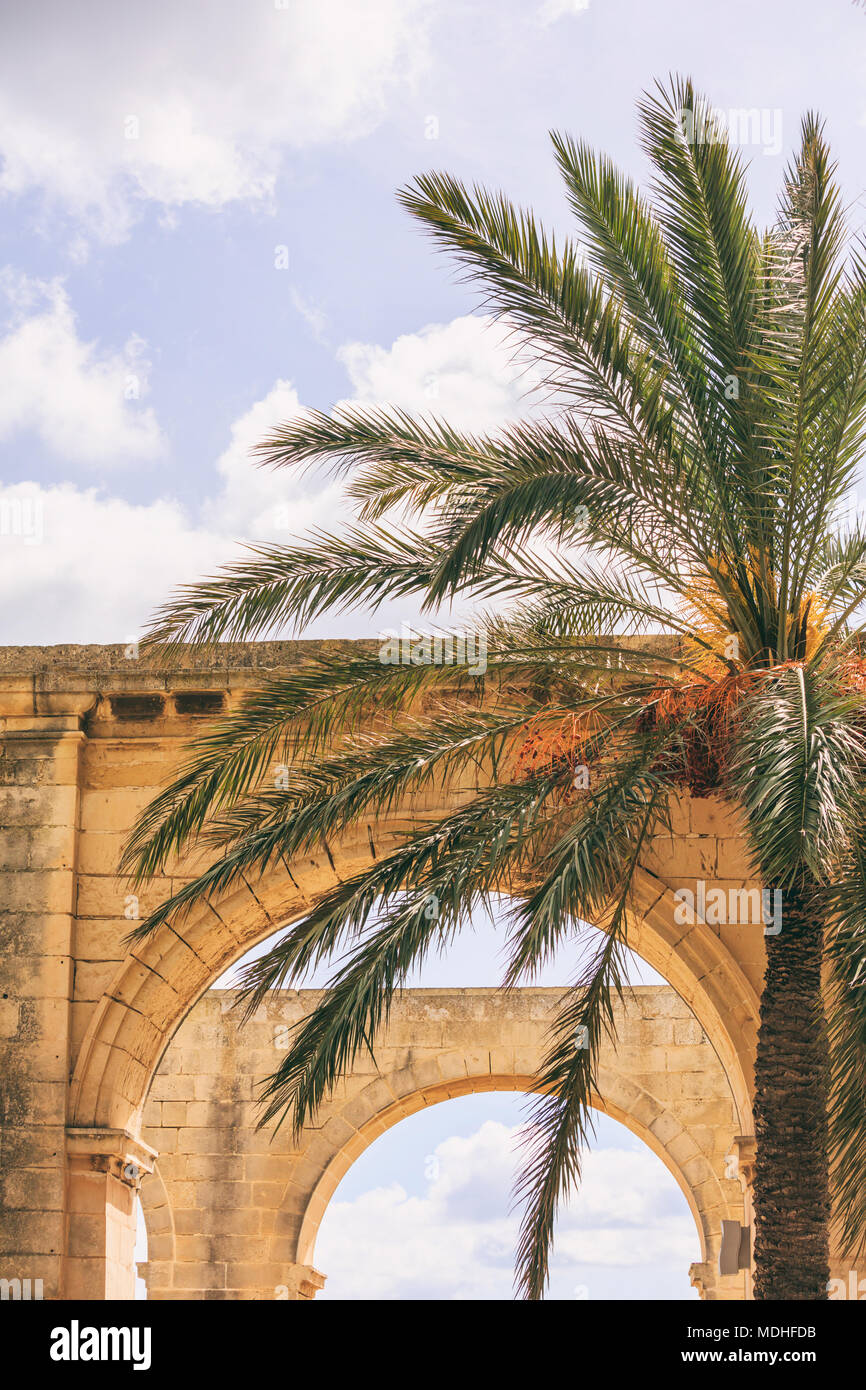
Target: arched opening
620	1100
425	1212
475	960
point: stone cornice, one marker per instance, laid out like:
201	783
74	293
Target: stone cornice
79	680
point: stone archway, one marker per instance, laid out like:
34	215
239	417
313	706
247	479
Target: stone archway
89	736
624	1101
244	1208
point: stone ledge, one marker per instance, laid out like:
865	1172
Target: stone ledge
223	656
93	659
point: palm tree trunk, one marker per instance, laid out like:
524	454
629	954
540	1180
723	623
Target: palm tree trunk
792	1189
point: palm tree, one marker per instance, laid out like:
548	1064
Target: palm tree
682	491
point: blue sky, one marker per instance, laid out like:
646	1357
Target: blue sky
200	237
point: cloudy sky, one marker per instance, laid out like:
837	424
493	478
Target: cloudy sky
425	1212
200	237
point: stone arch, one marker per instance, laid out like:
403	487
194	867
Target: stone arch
412	1090
163	977
250	1203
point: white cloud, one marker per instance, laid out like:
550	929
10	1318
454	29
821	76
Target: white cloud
552	10
104	105
101	564
628	1233
82	402
268	504
77	566
462	370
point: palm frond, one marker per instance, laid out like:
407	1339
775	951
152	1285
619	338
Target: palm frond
428	887
565	318
796	769
559	1121
289	585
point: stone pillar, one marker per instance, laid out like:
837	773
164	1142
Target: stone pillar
105	1168
41	734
